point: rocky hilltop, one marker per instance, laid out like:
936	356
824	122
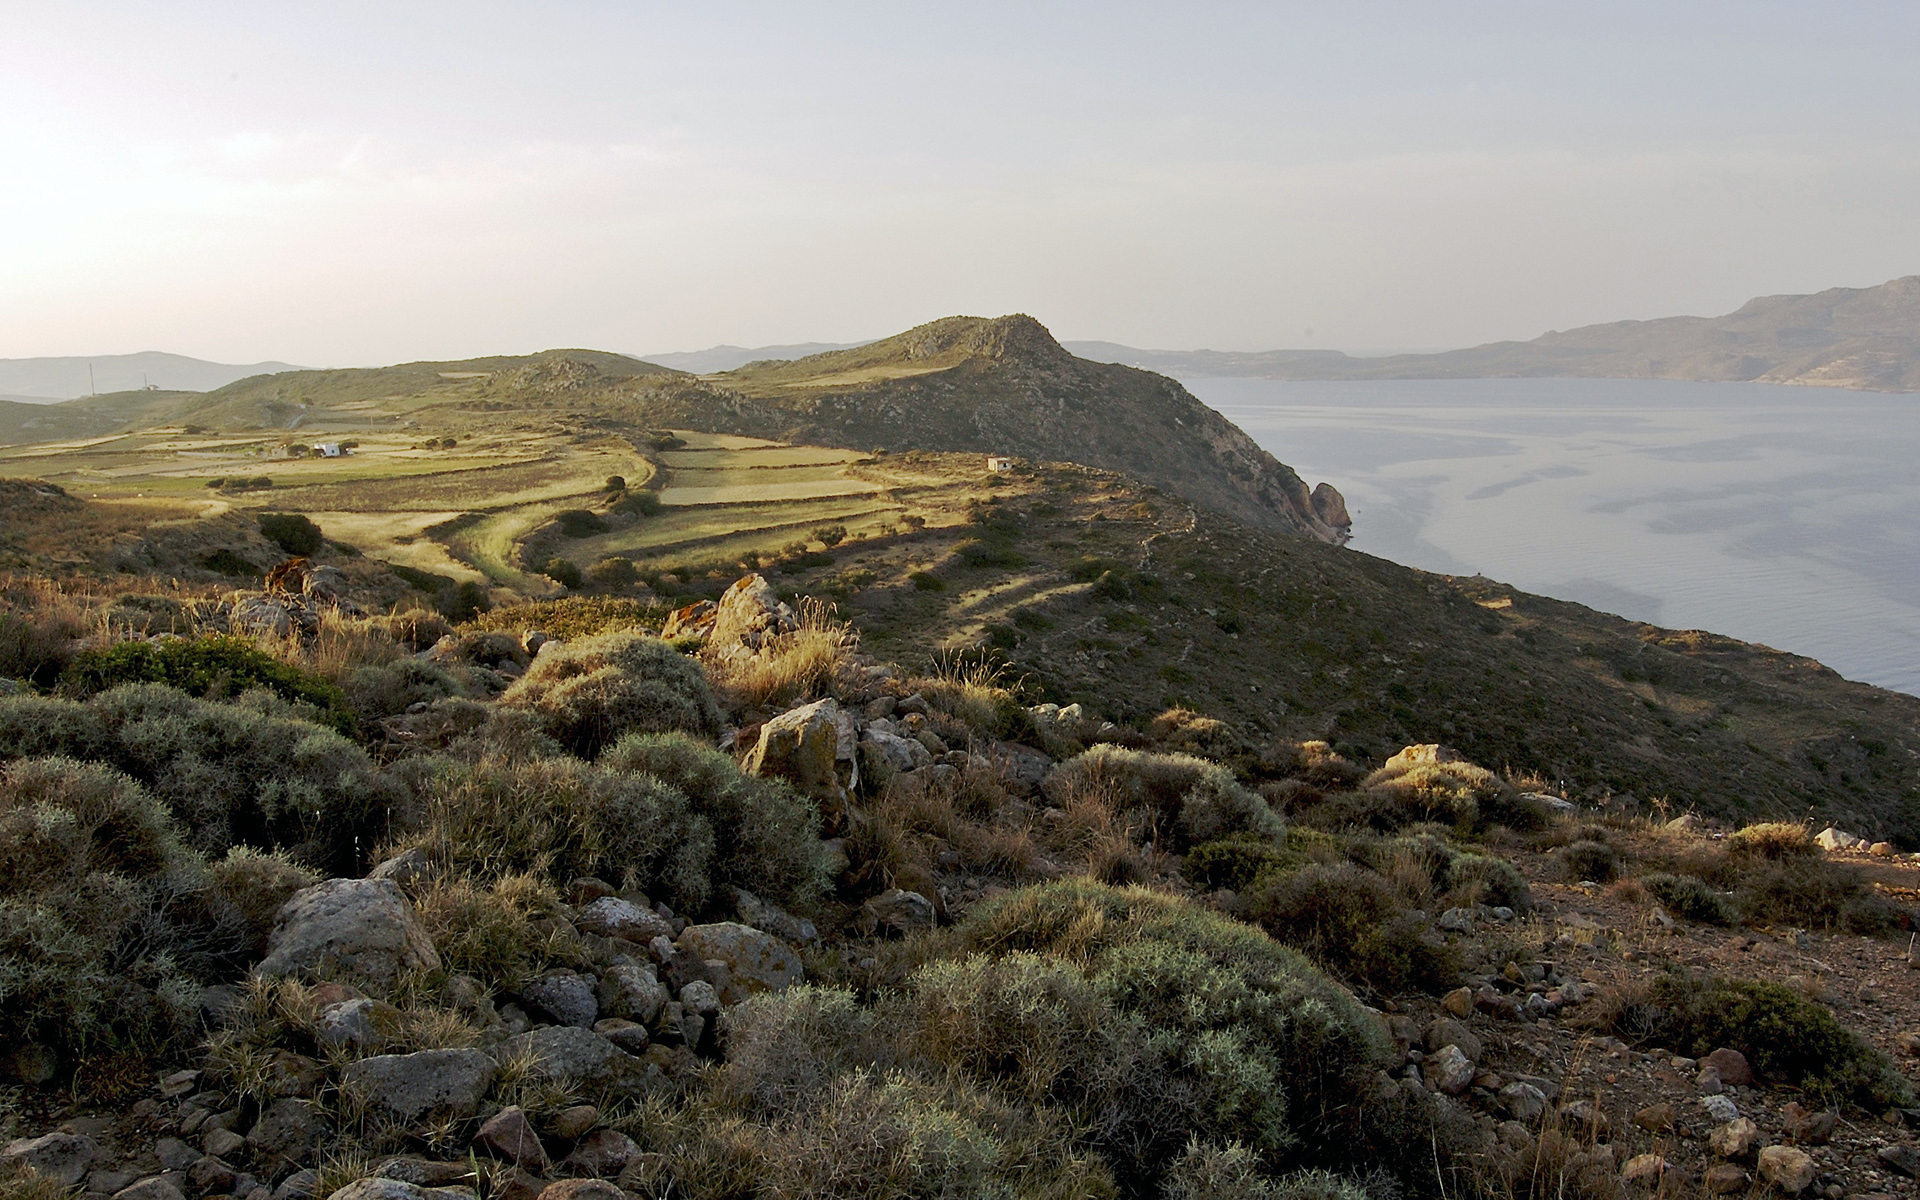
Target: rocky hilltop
1862	338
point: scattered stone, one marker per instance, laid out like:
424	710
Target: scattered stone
1720	1108
612	917
409	866
564	995
1707	1082
1786	1168
174	1154
1724	1179
1832	838
1456	920
1524	1101
1903	1158
514	1184
410	1085
360	1023
575	1123
1644	1170
900	754
1732	1067
582	1189
377	1188
630	1036
1584	1116
1448	1071
897	912
425	1172
564	1052
1446	1031
602	1154
179	1084
154	1187
631	990
1738	1138
222	1143
816	748
286	1134
771	918
61	1157
301	1185
1656	1118
1810	1128
756	962
1458	1002
509	1136
361	928
210	1175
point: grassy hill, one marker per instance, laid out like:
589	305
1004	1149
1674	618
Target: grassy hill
1864	338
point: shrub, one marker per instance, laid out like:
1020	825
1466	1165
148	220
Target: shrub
1350	920
463	602
38	627
926	581
828	535
232	774
640	502
389	690
795	665
579	523
1590	860
766	836
1244	1038
241	896
616	483
487	930
1457	793
213	667
87	860
1187	800
590	693
561	818
1232	863
1207	1171
292	532
1786	1037
574	617
1812	892
563	572
614	572
1773	841
1483	879
1689	898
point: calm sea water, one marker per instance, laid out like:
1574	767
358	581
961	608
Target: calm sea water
1783	515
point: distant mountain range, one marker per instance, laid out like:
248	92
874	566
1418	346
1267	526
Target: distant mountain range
43	380
1862	338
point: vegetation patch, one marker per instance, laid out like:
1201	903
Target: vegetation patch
213	667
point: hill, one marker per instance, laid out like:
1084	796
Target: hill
727	357
1862	338
60	378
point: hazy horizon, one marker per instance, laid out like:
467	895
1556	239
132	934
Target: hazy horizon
359	184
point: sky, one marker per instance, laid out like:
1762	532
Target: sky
349	184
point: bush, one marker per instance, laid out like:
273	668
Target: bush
213	667
1207	1171
1786	1037
1590	860
1773	841
573	617
1243	1038
766	836
1689	898
487	930
590	693
463	602
579	523
640	502
1185	799
1231	863
1457	793
615	572
232	774
926	581
292	532
390	689
563	572
38	628
560	819
1350	920
88	860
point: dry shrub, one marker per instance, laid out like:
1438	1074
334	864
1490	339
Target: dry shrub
1589	860
1772	841
39	624
1554	1164
801	664
1184	731
974	694
1777	874
1454	793
1176	799
341	646
1354	923
1688	898
591	693
573	617
390	689
487	930
1209	1171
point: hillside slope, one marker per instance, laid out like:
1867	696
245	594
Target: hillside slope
59	378
1862	338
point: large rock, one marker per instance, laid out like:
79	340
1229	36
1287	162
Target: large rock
510	1136
815	748
612	917
1786	1168
361	928
749	616
756	961
565	996
61	1157
286	1135
359	1023
1446	1031
1832	838
1732	1067
629	989
1449	1071
411	1085
898	753
896	911
397	1189
1738	1138
1524	1101
1414	756
562	1052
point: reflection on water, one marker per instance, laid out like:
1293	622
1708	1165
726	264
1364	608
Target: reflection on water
1783	515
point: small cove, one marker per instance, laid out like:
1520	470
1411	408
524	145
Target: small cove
1783	515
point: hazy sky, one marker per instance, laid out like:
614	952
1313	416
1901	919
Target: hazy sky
358	183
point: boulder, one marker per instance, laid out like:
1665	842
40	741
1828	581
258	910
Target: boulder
174	1154
602	1154
1720	1108
756	961
1656	1118
1449	1071
1458	1002
361	928
900	754
1786	1168
301	1185
360	1024
612	917
771	918
1414	756
286	1135
1446	1031
509	1136
411	1085
1805	1126
153	1187
513	1183
377	1188
564	995
897	912
1902	1157
563	1052
1524	1101
1732	1067
692	621
815	748
1832	838
1644	1170
61	1157
630	989
750	616
1738	1138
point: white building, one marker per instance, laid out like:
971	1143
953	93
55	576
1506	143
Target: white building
996	462
328	449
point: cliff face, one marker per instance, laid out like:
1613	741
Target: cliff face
1005	386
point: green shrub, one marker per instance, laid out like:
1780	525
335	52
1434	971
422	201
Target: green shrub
213	667
241	896
1786	1037
1351	921
989	553
1812	892
579	523
1773	841
926	581
463	601
1242	1038
563	571
574	617
592	692
1590	860
1456	793
1188	800
1206	1171
1232	863
560	818
87	860
487	929
391	688
615	572
291	532
232	774
766	836
1689	898
640	502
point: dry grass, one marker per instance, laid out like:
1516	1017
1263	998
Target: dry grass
800	665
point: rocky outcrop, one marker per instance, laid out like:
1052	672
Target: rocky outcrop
361	929
815	748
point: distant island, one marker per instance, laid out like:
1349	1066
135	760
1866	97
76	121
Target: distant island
1862	338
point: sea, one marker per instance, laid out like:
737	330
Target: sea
1788	516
